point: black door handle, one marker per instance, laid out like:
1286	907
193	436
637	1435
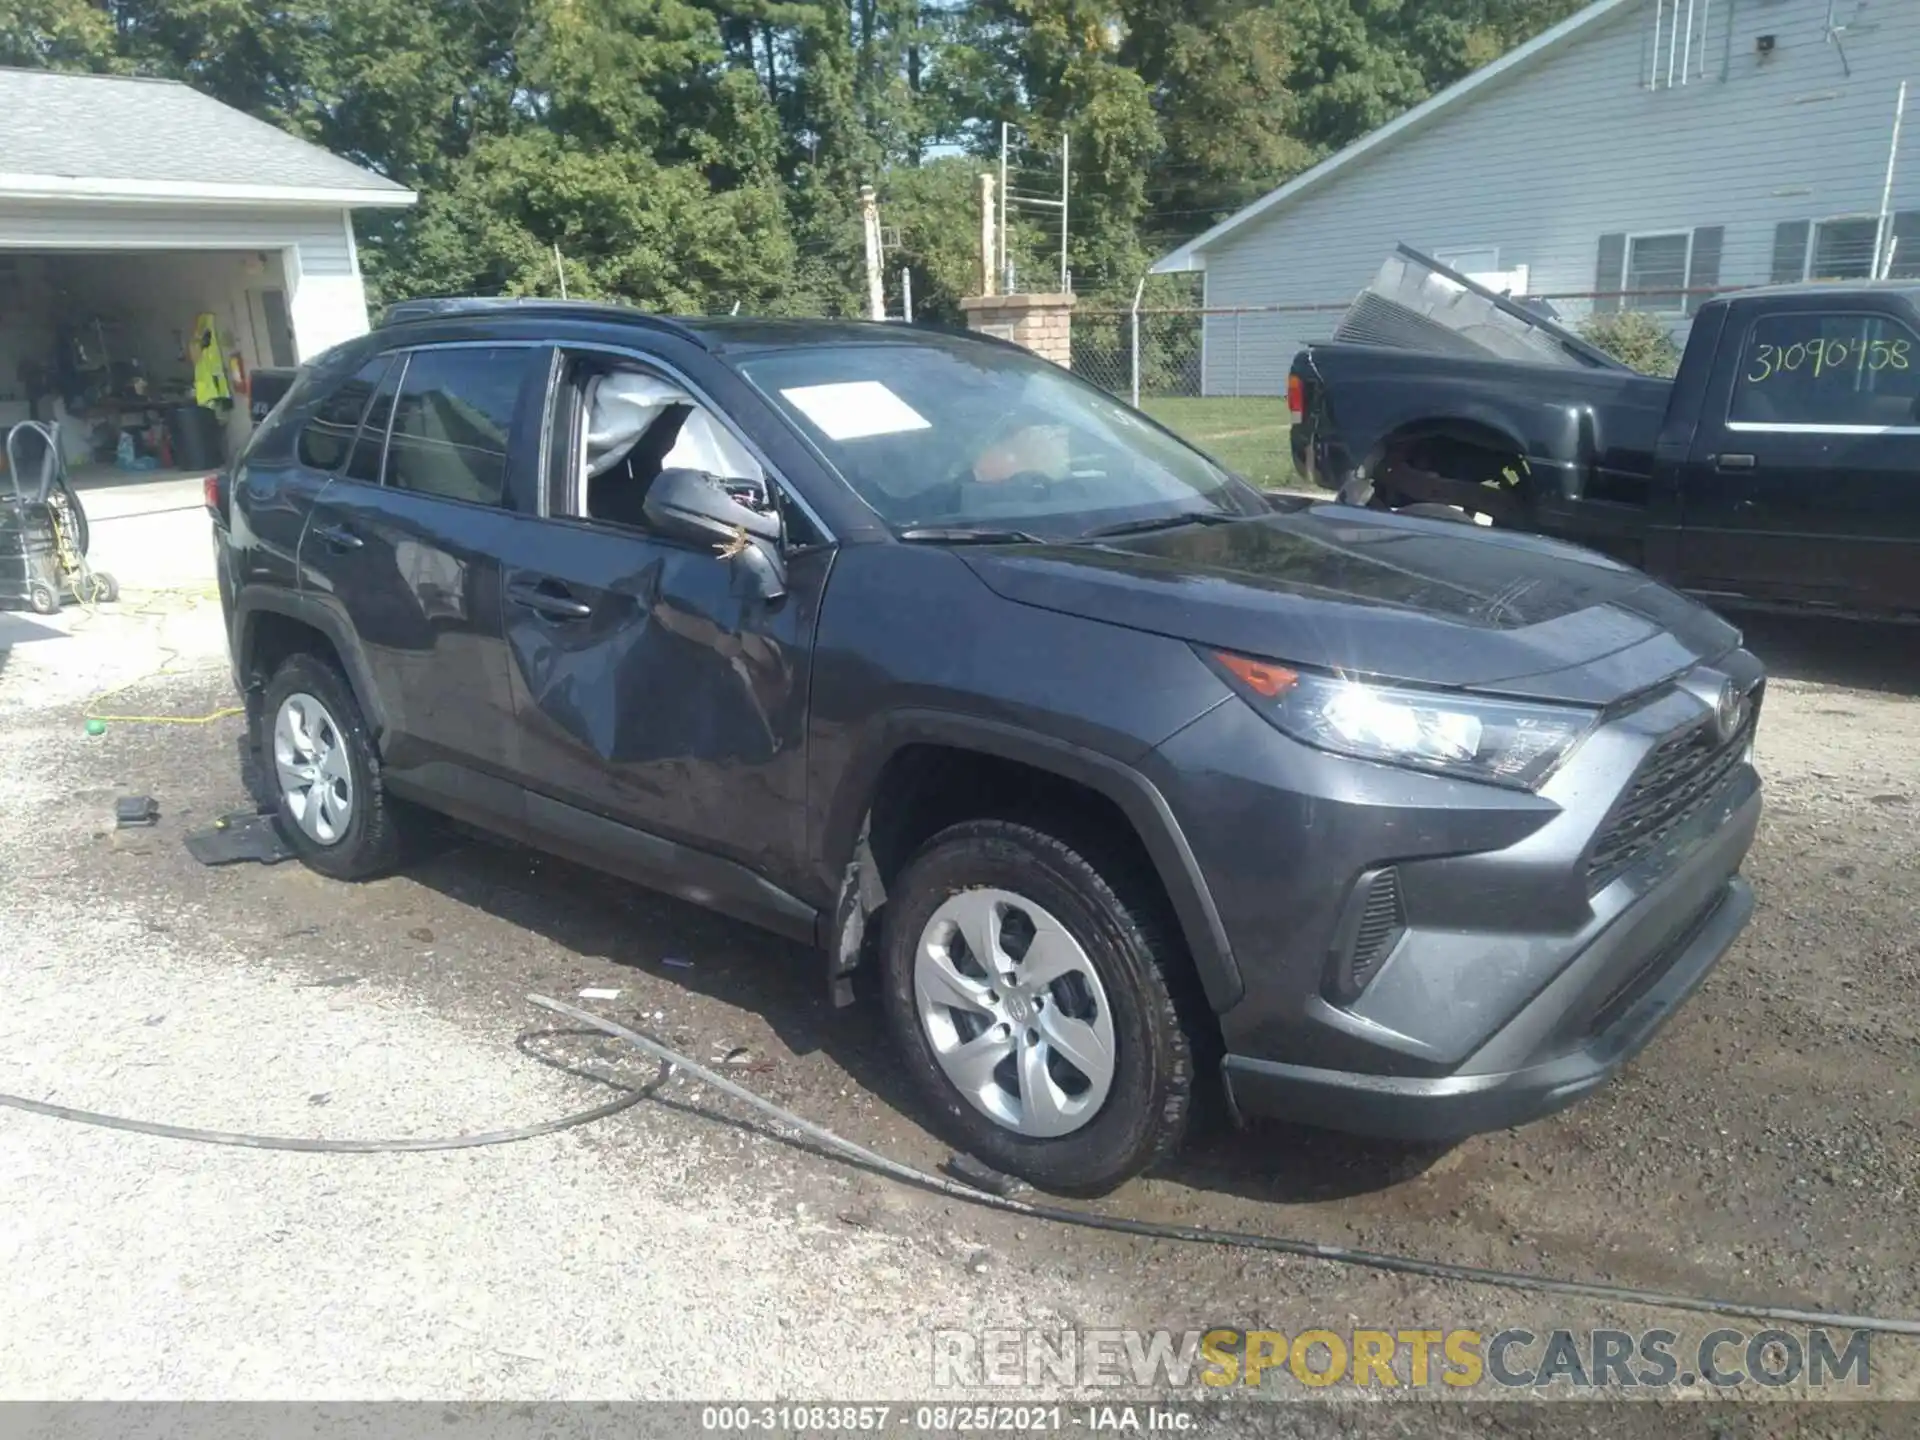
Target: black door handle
549	598
1733	462
339	537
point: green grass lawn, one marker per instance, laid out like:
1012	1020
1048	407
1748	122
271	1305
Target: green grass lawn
1247	435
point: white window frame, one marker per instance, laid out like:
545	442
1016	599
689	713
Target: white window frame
1675	304
1813	247
1450	257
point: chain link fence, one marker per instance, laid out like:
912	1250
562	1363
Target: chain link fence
1172	353
1160	352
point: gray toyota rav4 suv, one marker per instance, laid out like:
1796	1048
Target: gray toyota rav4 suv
1120	774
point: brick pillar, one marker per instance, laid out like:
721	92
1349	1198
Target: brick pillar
1042	323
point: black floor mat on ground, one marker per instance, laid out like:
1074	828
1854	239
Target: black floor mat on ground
239	837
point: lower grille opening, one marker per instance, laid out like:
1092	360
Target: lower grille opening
1628	992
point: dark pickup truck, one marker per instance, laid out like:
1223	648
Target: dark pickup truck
1779	469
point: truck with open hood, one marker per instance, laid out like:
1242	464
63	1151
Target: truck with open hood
1775	469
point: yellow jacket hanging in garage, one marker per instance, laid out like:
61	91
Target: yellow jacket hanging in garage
209	364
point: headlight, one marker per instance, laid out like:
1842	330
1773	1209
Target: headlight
1501	742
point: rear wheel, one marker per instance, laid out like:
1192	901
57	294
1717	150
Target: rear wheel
334	809
1025	985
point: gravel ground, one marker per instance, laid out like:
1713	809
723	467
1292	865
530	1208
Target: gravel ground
1763	1147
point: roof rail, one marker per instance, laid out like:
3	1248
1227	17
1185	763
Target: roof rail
533	305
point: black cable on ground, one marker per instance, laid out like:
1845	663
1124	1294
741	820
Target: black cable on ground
341	1147
1154	1230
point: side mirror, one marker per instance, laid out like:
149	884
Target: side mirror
691	505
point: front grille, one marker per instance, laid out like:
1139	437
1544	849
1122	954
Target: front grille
1674	783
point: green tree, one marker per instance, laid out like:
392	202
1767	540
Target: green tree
689	154
1634	338
1219	74
58	35
934	209
627	228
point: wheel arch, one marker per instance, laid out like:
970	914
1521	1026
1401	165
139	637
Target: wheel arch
1447	440
870	829
269	625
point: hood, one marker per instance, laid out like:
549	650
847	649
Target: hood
1362	592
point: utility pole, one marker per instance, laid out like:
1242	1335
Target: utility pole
1066	169
906	295
987	257
1006	202
870	225
1883	232
1133	333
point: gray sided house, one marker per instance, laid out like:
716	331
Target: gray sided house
1640	146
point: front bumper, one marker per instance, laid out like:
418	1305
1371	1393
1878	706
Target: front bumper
1523	953
1484	1094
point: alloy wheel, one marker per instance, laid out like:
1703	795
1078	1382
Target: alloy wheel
310	755
1015	1012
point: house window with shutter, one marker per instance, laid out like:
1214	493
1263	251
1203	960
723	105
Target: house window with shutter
1657	272
1661	273
1841	247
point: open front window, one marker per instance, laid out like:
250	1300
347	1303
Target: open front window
628	427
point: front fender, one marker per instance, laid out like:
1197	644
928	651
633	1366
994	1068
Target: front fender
1136	796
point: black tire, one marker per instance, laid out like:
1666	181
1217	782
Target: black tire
43	599
96	587
79	532
1135	956
374	840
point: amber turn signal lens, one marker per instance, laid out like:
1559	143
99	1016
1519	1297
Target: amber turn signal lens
1260	676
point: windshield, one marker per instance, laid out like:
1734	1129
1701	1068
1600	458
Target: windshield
958	434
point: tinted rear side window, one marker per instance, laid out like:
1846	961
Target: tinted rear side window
370	448
453	421
326	437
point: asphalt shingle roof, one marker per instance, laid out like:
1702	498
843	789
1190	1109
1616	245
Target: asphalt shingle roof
109	127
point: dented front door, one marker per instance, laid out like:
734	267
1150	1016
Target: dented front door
654	689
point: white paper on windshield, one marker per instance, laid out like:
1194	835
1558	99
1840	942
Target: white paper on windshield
856	409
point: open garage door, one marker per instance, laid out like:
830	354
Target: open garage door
107	347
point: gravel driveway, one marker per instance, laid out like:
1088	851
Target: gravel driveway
1764	1146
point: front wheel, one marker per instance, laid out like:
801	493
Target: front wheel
1028	990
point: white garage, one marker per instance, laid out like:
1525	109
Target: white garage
141	220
